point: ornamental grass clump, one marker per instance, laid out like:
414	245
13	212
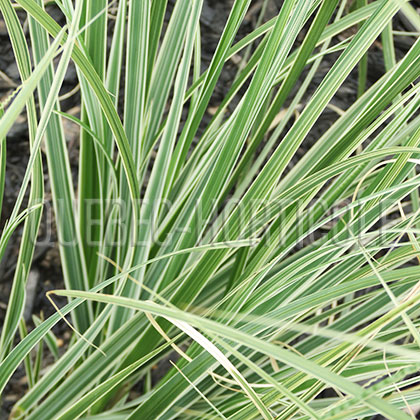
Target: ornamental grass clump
265	265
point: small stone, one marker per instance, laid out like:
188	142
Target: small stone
13	72
31	286
3	28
